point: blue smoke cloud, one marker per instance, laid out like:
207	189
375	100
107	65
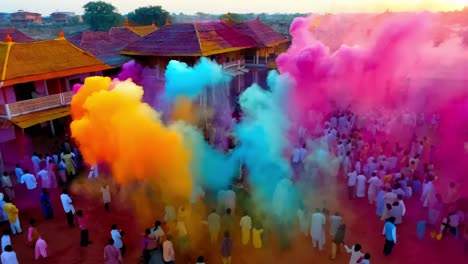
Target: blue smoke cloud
211	169
183	80
262	134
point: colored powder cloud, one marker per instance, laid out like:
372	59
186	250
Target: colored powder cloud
113	126
373	74
262	134
131	70
211	169
395	65
182	79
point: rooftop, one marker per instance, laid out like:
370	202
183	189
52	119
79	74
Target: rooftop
102	45
15	34
263	35
42	60
190	39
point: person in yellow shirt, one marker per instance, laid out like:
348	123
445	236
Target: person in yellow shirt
257	236
246	226
12	213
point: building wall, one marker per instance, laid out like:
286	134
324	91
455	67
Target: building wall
10	95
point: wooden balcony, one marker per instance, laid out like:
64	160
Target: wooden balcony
9	111
239	64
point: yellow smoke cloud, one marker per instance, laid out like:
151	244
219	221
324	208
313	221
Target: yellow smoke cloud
112	125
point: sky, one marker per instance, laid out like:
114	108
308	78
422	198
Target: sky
46	7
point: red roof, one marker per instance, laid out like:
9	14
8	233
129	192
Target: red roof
102	45
16	35
190	39
264	35
124	33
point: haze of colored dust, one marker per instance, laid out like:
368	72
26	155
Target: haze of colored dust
397	68
113	126
390	72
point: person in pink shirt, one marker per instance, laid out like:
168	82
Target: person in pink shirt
112	254
33	235
83	223
41	248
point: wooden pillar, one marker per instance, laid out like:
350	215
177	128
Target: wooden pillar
52	127
5	98
20	142
46	88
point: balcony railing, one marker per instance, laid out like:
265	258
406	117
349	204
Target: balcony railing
235	63
35	105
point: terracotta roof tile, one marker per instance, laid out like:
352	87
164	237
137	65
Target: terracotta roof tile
124	33
190	39
264	35
32	61
15	34
102	45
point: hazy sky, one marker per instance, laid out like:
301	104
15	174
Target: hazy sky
240	6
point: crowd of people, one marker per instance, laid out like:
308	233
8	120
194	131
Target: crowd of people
368	165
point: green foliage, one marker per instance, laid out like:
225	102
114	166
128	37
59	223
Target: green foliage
101	16
149	14
74	20
235	17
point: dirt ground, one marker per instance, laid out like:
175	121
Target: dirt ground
363	227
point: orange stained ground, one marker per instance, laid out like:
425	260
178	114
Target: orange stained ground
363	228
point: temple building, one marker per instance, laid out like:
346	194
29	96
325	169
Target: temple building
188	42
269	43
36	80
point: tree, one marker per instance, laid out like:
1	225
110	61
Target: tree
101	16
148	15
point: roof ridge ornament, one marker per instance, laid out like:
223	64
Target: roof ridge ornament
8	37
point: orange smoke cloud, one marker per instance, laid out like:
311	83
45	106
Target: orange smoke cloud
185	111
112	125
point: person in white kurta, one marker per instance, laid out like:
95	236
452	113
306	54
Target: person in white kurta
374	185
361	186
317	231
428	193
44	175
106	196
9	256
36	161
29	180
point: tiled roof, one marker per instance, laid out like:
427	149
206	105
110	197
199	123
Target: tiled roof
190	39
264	35
16	35
33	61
102	45
124	33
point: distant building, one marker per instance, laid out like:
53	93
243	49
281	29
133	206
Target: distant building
22	17
63	17
59	18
